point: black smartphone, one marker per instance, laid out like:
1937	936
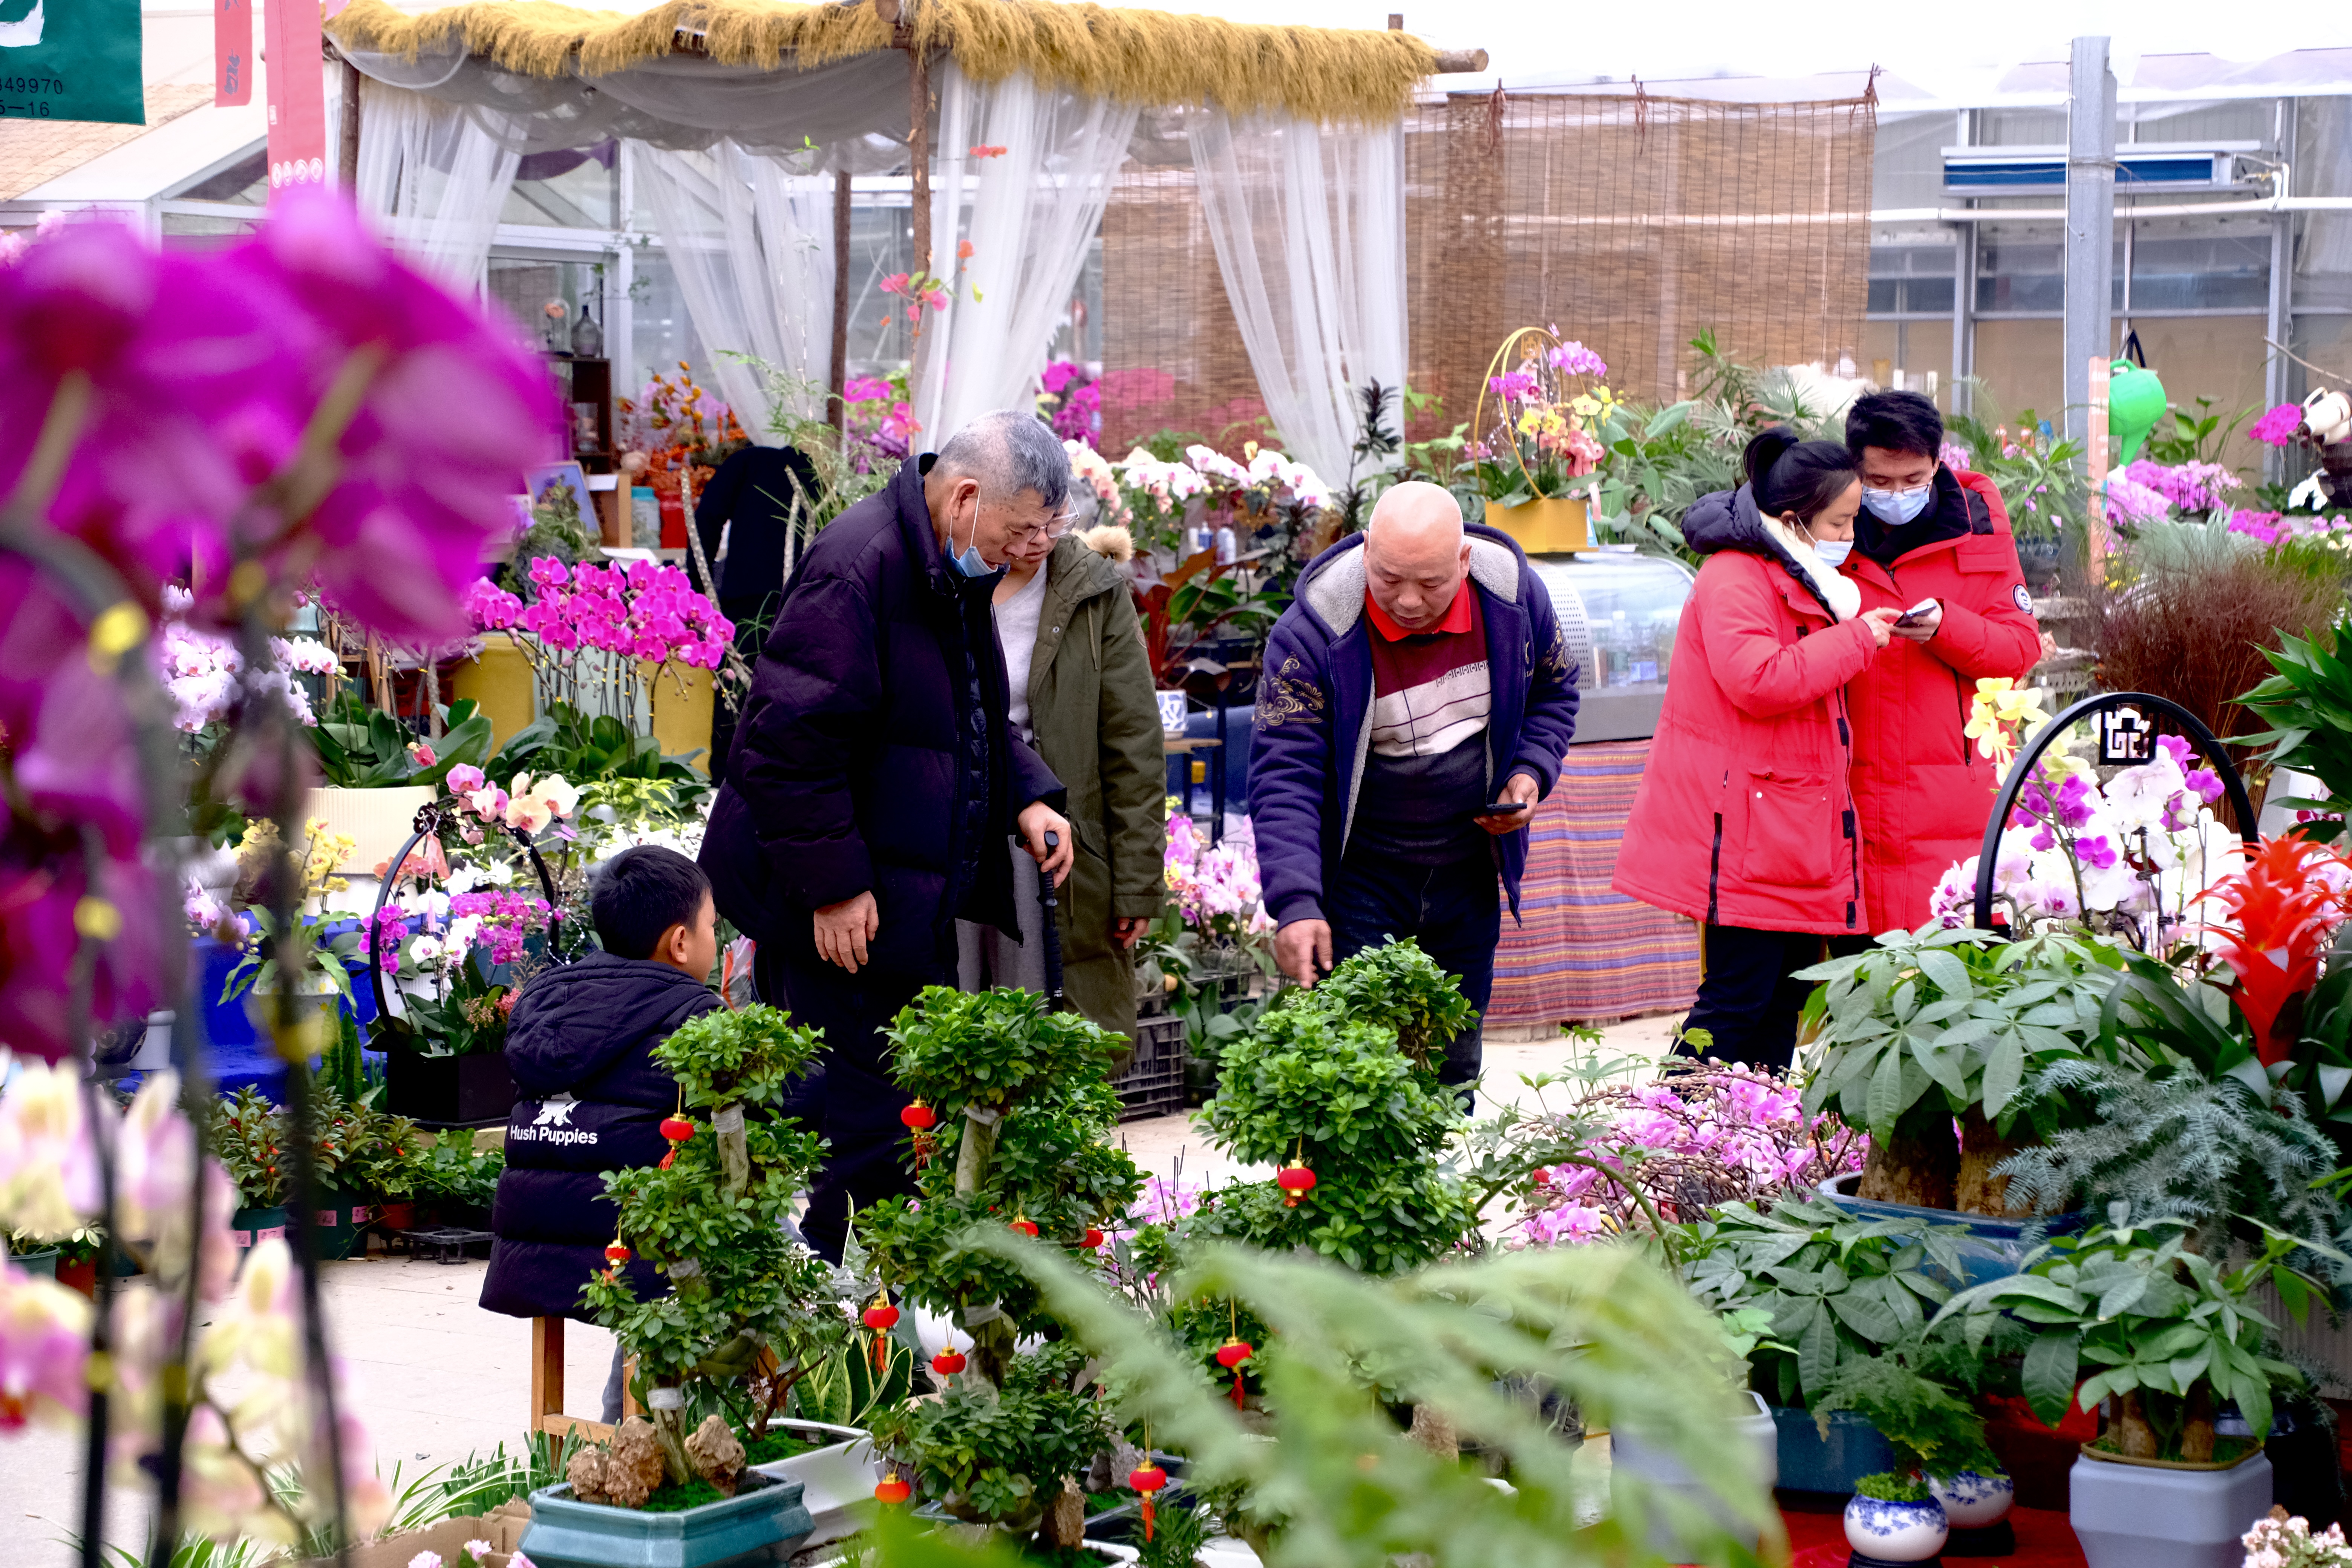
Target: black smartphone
1504	807
1911	617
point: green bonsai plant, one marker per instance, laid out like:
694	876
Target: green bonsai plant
2135	1314
1935	1025
246	1134
1935	1435
712	1217
1019	1112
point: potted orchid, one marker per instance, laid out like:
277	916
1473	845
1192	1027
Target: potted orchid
1211	937
1220	534
1534	437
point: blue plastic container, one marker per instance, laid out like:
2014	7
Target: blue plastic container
1811	1463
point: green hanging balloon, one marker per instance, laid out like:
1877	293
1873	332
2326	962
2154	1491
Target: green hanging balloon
2135	403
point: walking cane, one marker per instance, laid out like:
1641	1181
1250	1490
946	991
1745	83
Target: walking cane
1052	931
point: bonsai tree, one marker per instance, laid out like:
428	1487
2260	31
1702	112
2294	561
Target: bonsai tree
1935	1434
1934	1026
1012	1111
712	1217
2138	1316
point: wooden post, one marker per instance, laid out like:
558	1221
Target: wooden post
918	149
546	1370
837	406
2096	454
346	157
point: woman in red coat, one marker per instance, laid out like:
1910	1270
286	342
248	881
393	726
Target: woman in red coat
1927	532
1745	821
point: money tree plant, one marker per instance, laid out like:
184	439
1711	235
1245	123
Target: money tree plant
743	1295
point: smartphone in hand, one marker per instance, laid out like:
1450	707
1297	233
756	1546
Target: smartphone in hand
1504	807
1912	616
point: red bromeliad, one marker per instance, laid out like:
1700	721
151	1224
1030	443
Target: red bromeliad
2286	910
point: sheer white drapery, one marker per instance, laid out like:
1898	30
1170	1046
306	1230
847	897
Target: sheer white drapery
1029	213
433	175
1307	222
749	237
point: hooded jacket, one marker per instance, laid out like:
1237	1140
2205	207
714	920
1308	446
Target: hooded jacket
1922	790
1315	713
1745	812
1098	727
590	1099
873	753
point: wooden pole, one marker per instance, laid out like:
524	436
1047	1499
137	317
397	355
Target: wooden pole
837	406
918	148
347	154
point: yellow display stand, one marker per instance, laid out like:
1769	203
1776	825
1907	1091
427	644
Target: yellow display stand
681	719
1553	526
498	681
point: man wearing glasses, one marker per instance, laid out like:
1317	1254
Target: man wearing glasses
874	778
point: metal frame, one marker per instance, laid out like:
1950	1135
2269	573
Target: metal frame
428	820
2022	770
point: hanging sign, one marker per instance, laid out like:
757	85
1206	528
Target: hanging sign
232	53
297	95
72	60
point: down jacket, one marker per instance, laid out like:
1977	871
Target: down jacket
1746	813
590	1099
1923	791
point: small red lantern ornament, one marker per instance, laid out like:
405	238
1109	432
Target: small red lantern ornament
1026	1226
881	1318
1295	1182
891	1492
1147	1478
947	1363
677	1129
1230	1355
918	1117
1094	1238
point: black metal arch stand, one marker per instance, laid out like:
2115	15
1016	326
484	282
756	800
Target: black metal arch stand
429	818
2022	769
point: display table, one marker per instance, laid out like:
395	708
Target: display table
2044	1540
1580	949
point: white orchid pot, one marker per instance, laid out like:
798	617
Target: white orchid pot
1887	1532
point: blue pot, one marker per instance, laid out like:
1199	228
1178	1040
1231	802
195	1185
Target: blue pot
1811	1463
1991	1248
565	1532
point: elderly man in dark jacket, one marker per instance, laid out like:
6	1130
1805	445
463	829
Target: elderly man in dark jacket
1418	679
874	783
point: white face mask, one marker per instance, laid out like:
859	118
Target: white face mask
1897	507
1832	551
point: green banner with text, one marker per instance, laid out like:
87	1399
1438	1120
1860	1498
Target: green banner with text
72	60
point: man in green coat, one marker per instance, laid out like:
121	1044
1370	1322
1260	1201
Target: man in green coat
1082	695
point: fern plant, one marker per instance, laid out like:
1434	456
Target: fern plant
1933	1431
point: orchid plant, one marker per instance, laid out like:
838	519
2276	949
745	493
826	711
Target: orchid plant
1542	433
647	614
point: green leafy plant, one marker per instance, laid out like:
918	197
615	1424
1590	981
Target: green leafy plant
2307	703
360	747
2135	1314
608	762
2041	488
998	1455
447	1168
712	1216
2198	439
1892	1486
1839	1288
1934	1432
247	1135
1933	1026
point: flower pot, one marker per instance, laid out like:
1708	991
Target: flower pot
80	1275
1991	1248
340	1225
248	1226
473	1090
378	821
1751	1441
1811	1463
681	718
1972	1501
1884	1531
837	1480
1553	526
498	680
744	1529
43	1263
2147	1514
391	1218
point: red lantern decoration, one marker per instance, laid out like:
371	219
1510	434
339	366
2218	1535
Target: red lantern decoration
677	1129
616	1253
1230	1355
1147	1478
918	1117
1026	1226
882	1316
947	1363
1295	1182
1094	1238
890	1490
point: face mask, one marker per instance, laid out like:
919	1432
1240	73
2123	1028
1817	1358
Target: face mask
1897	507
1832	551
969	565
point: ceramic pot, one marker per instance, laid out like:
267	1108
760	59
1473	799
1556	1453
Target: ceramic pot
1896	1532
2164	1516
1752	1442
1972	1501
1554	525
764	1514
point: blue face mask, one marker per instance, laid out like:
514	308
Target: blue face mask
1897	507
1832	551
969	565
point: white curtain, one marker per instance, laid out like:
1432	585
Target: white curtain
751	237
1030	214
1308	225
433	177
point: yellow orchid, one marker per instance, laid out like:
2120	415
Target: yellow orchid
1584	406
1998	713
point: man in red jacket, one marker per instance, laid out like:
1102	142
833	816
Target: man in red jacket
1926	533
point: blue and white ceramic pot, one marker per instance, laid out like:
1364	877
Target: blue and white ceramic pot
1896	1532
1972	1501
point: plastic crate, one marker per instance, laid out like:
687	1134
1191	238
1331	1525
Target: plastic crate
1153	1084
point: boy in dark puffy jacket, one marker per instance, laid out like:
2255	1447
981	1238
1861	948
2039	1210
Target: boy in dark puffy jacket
590	1096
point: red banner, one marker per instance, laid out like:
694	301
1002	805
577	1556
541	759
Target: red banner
232	53
297	98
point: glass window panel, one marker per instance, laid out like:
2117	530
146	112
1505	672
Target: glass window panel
1907	160
2201	272
2022	128
564	190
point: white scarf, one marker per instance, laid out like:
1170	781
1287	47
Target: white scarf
1831	586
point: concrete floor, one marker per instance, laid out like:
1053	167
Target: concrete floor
435	1378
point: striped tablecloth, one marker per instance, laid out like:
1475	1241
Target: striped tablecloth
1585	951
